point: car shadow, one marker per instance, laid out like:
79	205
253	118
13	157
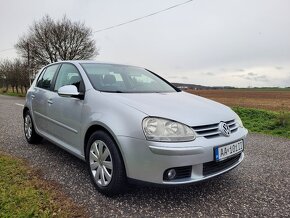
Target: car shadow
78	185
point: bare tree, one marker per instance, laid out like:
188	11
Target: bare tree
14	74
5	69
21	71
49	41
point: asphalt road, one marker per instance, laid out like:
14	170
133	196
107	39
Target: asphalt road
260	186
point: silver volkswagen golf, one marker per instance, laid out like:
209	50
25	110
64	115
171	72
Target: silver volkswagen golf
129	124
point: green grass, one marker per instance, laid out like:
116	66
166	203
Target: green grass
10	93
13	94
23	194
263	121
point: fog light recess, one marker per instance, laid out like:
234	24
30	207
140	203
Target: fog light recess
171	174
177	173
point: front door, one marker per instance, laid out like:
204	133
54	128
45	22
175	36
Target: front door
66	112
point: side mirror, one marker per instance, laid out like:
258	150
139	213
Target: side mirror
69	91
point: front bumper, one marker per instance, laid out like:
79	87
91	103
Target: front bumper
146	161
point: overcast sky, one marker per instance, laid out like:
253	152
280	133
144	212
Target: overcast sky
226	42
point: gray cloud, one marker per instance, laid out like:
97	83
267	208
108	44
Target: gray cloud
174	42
177	67
253	77
287	81
261	78
252	74
209	73
172	77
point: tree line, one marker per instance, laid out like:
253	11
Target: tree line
46	41
14	74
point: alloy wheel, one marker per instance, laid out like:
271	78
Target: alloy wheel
28	126
101	163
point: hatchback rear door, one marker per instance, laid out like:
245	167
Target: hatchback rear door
40	97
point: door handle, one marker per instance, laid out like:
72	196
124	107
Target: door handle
32	96
49	101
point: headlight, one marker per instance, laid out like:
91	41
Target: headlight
239	121
159	129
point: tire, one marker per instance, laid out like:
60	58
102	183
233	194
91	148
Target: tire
105	164
31	136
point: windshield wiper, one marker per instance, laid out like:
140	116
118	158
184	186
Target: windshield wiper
116	91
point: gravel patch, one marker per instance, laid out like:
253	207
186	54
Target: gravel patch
259	187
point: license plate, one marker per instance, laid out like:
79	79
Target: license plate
226	151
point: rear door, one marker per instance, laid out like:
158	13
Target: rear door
66	112
40	97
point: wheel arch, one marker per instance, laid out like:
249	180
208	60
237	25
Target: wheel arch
96	127
25	109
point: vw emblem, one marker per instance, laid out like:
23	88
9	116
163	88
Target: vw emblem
224	129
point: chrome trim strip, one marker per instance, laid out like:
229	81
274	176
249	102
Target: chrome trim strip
212	130
176	151
209	134
205	128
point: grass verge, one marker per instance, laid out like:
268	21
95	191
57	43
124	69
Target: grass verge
24	194
10	93
263	121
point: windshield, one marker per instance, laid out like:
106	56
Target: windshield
127	79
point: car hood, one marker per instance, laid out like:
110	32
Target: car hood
183	107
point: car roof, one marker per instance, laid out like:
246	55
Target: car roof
93	62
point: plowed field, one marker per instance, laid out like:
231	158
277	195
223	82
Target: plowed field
269	100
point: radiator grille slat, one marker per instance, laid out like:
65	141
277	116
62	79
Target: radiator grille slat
212	130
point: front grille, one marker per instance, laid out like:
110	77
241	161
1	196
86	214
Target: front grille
212	131
214	167
181	172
